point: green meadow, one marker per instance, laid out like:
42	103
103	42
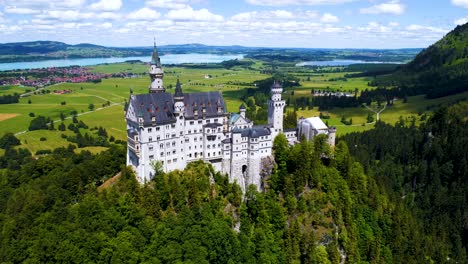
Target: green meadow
231	82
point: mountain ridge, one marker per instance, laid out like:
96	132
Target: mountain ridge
439	70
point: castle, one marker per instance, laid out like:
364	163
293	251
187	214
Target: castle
179	128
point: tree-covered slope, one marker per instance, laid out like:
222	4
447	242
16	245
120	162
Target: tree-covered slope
439	70
427	169
370	203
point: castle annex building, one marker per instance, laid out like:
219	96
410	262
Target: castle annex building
179	128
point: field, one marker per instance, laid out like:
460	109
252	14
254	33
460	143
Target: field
231	82
15	118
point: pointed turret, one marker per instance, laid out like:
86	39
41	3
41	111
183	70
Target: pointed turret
242	110
155	60
179	106
178	91
156	72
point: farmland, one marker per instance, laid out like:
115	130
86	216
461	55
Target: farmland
109	95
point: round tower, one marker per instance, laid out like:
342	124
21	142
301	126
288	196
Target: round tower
331	136
156	73
275	109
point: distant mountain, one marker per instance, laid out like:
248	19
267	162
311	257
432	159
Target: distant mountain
439	70
45	50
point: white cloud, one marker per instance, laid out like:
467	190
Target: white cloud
20	10
106	25
329	18
6	29
393	7
296	2
68	15
144	14
72	15
107	5
375	28
462	3
107	15
263	15
193	15
169	4
461	21
44	4
421	28
393	24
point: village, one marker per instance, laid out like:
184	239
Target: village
38	78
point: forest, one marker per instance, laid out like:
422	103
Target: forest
439	70
395	194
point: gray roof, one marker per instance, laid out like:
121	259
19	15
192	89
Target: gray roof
159	105
131	133
235	116
290	129
242	106
276	85
254	132
208	100
213	125
178	90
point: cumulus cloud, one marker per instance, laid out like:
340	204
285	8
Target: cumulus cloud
263	15
44	4
169	4
20	10
421	28
9	29
68	15
461	21
329	18
106	5
194	15
106	25
72	15
461	3
144	14
392	7
296	2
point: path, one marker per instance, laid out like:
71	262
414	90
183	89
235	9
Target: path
70	117
38	89
376	112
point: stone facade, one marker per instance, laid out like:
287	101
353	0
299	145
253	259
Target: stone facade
177	129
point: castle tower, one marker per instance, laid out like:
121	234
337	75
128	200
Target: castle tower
242	110
275	109
156	73
331	136
179	106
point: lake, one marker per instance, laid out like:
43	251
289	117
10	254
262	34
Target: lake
340	62
165	59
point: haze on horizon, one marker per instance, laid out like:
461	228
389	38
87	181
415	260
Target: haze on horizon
261	23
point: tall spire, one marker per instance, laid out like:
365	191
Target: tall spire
156	72
155	60
178	90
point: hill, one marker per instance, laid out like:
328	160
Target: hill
46	50
372	202
439	70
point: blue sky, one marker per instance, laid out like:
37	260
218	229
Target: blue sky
266	23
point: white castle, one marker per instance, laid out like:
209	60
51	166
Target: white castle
181	128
